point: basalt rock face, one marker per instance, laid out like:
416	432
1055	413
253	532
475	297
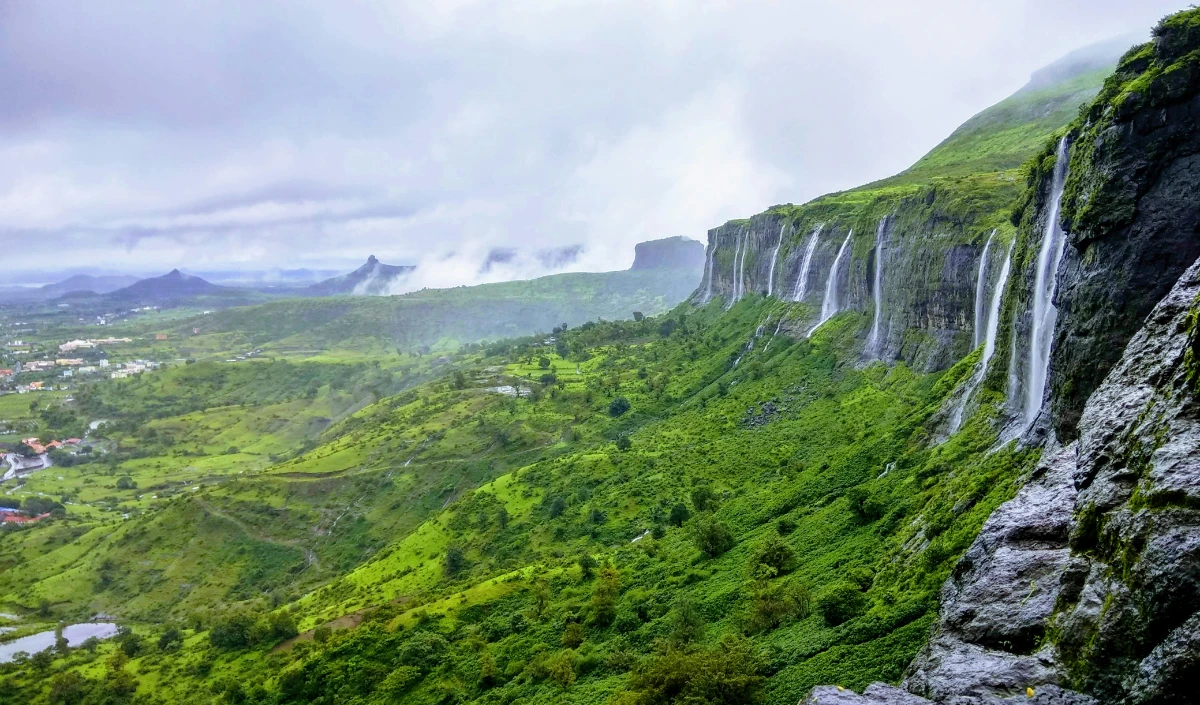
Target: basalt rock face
668	253
1085	587
1131	210
929	252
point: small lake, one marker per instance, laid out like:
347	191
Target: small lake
76	634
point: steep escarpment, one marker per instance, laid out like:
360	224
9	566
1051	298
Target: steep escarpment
926	229
668	253
1130	210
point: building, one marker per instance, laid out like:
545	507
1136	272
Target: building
7	518
102	364
160	336
69	361
76	345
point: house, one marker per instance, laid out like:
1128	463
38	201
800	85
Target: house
6	372
102	363
160	336
20	519
76	345
69	361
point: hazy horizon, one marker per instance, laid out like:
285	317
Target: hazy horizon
255	139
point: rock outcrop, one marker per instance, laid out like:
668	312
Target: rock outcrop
1085	587
669	253
1131	211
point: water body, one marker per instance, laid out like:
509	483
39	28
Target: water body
741	274
873	340
1045	314
75	634
775	256
829	306
980	290
806	264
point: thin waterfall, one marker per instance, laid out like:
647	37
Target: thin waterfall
980	289
1045	314
992	328
712	255
737	249
774	256
873	340
829	306
742	267
806	263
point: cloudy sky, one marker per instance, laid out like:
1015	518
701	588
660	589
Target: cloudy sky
140	136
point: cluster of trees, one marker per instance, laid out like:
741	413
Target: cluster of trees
241	627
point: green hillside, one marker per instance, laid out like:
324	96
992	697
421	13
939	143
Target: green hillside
702	505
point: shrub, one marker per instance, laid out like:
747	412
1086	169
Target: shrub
725	675
618	407
454	562
774	554
711	536
322	633
573	635
841	602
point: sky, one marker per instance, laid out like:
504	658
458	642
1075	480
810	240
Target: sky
141	136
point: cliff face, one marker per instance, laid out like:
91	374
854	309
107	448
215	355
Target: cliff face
668	253
929	247
1131	210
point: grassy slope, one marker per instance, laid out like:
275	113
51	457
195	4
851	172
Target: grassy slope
359	521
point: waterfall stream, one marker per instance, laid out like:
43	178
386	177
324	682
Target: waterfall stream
829	306
806	264
1045	314
712	255
774	256
737	250
991	325
741	273
873	340
980	291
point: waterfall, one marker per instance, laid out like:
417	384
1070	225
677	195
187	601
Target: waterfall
774	256
991	325
980	289
712	255
741	273
829	306
1046	282
805	264
873	340
737	250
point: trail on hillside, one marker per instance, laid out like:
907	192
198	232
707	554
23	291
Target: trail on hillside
310	557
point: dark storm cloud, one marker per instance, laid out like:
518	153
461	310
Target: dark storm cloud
231	134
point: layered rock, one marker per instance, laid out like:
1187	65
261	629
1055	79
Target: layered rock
668	253
1089	579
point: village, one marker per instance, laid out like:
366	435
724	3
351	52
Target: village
76	358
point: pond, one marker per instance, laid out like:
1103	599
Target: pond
76	634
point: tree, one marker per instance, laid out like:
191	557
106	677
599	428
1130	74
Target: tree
604	596
623	443
68	688
322	633
544	362
638	316
573	635
560	668
558	505
679	514
687	624
460	380
841	602
171	639
667	327
126	483
774	553
502	518
587	566
703	499
711	536
725	675
618	407
454	562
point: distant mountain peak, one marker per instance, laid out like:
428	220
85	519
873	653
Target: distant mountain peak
371	279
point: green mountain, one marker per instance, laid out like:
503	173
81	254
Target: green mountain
932	438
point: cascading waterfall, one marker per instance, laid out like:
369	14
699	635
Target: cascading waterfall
829	307
712	255
774	256
1045	314
737	250
991	325
980	289
806	263
873	340
742	267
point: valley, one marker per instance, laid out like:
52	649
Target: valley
931	438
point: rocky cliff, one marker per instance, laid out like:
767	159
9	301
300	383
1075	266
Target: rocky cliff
668	253
1085	587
